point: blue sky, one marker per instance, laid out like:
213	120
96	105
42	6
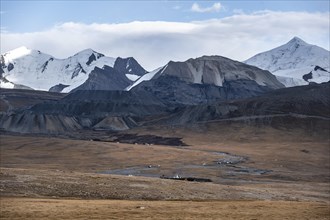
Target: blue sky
155	32
26	16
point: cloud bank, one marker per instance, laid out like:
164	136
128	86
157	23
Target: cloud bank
154	43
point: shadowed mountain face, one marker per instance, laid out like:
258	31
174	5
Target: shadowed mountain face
129	66
100	103
91	109
310	101
111	78
13	99
106	78
303	106
174	91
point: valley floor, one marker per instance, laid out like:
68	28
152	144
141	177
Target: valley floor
256	173
35	208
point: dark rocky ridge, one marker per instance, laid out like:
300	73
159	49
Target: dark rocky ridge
88	109
102	103
310	101
104	79
129	66
303	107
174	91
109	78
14	99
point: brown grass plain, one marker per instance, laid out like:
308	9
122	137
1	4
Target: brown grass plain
61	178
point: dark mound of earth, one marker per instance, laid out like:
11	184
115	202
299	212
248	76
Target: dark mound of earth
147	139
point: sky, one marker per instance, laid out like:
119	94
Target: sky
155	32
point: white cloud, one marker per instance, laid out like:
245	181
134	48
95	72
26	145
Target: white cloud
154	43
214	8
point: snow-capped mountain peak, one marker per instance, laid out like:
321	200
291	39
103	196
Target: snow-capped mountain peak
291	61
41	71
89	52
85	51
297	41
26	68
20	53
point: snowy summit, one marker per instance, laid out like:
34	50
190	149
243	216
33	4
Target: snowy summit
31	69
295	63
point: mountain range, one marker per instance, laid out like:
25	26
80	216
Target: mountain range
90	91
294	63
